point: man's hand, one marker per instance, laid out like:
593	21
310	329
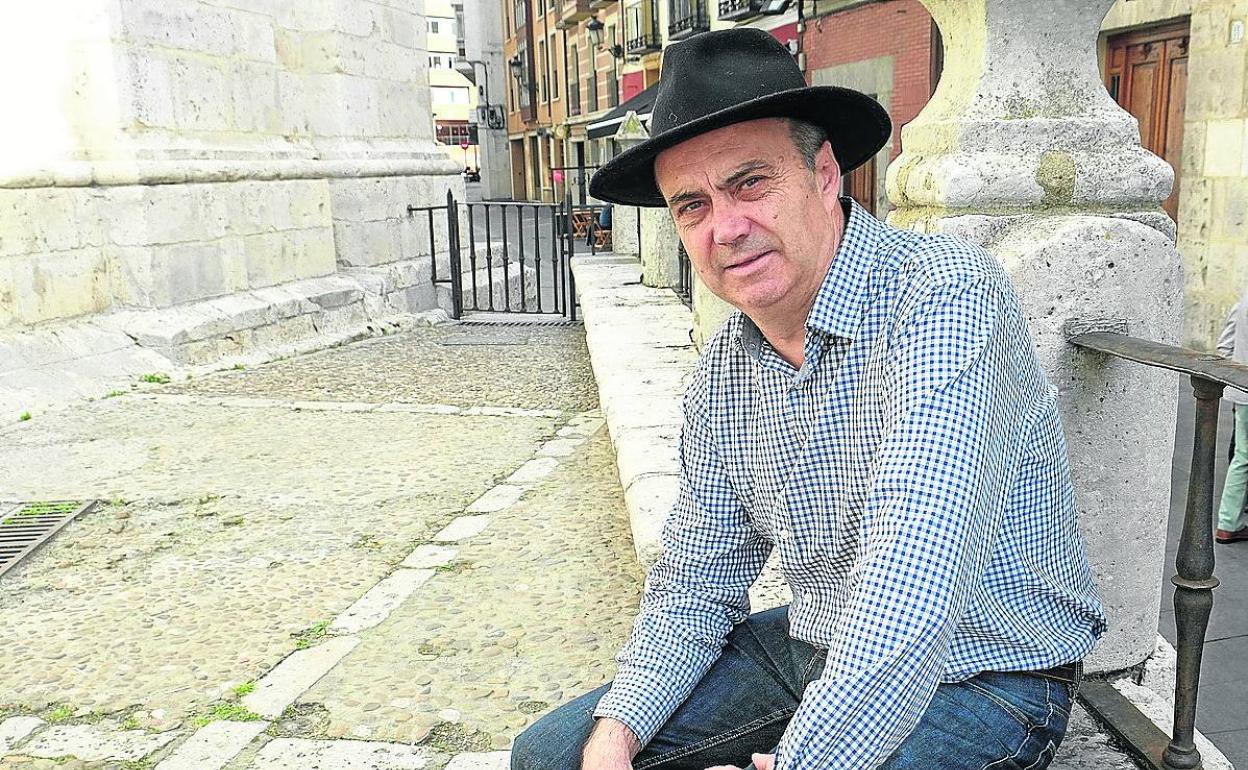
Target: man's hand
760	762
611	746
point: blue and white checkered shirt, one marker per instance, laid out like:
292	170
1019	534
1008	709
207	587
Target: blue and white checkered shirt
913	475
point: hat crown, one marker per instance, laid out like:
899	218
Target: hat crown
717	71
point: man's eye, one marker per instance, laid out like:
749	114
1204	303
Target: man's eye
751	182
691	207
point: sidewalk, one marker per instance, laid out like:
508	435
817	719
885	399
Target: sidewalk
627	325
392	554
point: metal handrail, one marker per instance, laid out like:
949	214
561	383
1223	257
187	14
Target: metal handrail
1194	563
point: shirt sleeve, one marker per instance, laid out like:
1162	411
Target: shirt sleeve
697	590
959	391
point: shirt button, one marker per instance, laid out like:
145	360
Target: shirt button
783	533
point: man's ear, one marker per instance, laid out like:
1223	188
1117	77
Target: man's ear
828	175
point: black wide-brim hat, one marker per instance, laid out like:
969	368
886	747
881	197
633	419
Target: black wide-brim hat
730	76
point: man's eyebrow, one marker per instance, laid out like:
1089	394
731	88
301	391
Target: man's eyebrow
744	171
681	197
733	178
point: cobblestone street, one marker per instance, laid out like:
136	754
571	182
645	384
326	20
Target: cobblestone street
396	553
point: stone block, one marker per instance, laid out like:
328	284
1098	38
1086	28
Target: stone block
289	679
375	606
204	89
1229	218
212	746
1224	148
15	729
362	244
91	743
401	27
254	98
179	24
56	285
147	93
270	259
254	37
305	754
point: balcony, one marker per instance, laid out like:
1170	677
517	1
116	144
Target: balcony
688	19
644	43
595	5
730	10
641	28
574	11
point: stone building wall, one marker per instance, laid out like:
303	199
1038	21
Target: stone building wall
176	151
1213	202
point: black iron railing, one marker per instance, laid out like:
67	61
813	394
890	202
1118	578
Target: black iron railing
684	274
644	43
688	21
1194	581
736	9
451	212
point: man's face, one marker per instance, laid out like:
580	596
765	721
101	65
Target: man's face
758	224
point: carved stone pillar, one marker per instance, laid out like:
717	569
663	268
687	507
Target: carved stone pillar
1022	151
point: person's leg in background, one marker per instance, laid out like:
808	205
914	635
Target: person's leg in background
1231	524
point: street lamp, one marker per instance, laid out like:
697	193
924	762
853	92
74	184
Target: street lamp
595	27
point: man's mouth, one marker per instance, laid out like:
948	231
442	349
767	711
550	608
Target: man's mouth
747	263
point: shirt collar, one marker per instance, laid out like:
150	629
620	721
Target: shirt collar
839	303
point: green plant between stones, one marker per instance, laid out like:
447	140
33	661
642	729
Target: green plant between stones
223	711
159	378
311	636
23	417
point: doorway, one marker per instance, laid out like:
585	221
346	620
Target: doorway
1146	73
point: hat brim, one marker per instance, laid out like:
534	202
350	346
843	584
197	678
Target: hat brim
858	127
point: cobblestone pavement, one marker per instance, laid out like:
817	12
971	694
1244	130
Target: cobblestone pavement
399	540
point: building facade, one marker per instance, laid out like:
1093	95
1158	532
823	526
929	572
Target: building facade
453	96
1179	66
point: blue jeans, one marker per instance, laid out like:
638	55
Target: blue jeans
1002	721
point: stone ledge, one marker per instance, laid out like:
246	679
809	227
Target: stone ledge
629	328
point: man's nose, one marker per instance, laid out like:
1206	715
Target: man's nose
728	224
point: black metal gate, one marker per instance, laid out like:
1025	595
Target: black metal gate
509	256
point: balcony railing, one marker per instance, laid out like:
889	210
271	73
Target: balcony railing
645	43
737	9
690	24
1194	581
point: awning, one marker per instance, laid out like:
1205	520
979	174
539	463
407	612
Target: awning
642	104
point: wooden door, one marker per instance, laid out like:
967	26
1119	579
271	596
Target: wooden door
859	184
1146	73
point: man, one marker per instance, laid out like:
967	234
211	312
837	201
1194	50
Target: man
1233	344
875	413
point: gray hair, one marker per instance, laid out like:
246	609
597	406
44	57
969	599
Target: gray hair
808	139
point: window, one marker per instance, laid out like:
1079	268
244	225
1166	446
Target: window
574	83
435	62
554	66
449	95
592	97
544	72
433	26
455	133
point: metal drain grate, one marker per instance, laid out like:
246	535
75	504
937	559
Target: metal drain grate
25	527
520	322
